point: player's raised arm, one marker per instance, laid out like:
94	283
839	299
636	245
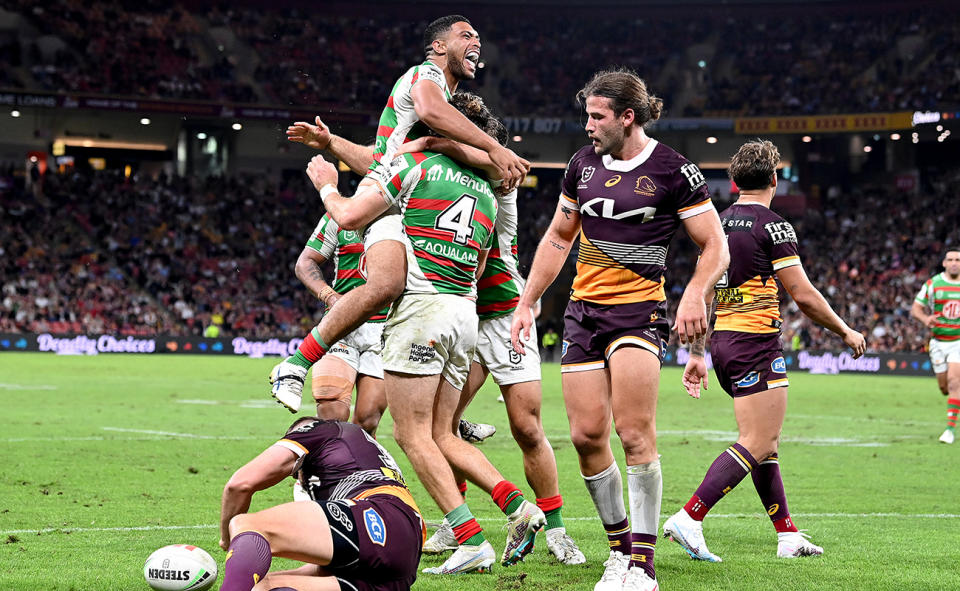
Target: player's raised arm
357	157
547	262
433	109
270	467
350	213
458	151
812	303
705	230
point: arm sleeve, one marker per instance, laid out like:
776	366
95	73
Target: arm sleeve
402	179
324	237
571	176
784	250
690	191
923	296
429	71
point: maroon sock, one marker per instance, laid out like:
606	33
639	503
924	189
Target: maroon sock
769	485
248	560
724	474
641	553
618	536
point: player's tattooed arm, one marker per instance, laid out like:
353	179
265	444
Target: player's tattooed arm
698	346
567	211
557	245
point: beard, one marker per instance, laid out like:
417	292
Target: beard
459	71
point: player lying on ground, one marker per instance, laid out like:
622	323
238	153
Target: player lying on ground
361	530
418	100
748	356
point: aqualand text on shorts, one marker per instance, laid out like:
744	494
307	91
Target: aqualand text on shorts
943	353
747	363
495	352
431	334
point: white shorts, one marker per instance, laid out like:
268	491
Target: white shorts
389	226
361	349
495	352
431	334
942	353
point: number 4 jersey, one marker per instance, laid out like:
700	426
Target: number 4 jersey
448	212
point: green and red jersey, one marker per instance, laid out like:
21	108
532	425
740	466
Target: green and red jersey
448	213
345	248
943	297
501	284
399	121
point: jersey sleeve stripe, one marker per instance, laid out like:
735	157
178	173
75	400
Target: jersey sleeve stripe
293	446
785	262
696	209
570	199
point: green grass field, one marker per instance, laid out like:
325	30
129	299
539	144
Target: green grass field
107	458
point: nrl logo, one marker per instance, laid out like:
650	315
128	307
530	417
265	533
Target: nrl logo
645	187
587	174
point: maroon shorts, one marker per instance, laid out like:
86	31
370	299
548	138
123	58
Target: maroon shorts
747	363
592	332
389	538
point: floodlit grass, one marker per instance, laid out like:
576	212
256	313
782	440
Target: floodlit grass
107	458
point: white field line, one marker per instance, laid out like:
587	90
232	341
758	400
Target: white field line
256	403
67	529
27	387
174	434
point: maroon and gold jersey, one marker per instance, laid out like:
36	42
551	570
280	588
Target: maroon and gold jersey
629	210
342	461
761	243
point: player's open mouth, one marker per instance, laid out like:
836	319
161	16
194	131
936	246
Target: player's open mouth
473	57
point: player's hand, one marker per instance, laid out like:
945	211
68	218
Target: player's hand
855	341
520	328
691	322
421	144
695	374
931	321
316	136
510	167
331	299
322	172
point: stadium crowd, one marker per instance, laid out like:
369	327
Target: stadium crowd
729	63
174	255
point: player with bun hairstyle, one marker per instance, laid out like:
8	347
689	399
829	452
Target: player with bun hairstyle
748	356
625	195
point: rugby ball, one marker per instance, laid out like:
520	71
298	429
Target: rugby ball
180	568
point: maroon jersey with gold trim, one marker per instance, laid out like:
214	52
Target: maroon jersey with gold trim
340	460
761	243
630	210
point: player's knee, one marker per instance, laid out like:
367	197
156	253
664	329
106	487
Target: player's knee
240	523
368	421
527	433
638	436
587	441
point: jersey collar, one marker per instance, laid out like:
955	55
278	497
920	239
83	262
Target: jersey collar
627	165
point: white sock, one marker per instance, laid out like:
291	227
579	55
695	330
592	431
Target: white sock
606	490
645	490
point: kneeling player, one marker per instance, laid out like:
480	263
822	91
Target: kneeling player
361	531
747	353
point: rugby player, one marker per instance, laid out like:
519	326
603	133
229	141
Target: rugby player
518	376
448	214
747	353
418	102
626	195
941	294
360	531
355	359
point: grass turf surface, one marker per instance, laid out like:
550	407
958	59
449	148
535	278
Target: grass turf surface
107	458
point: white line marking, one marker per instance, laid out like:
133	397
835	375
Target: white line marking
256	403
173	434
758	515
27	387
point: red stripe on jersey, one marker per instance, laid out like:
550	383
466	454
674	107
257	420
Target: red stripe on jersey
378	317
355	248
390	102
940	325
349	274
414	79
479	216
433	259
431	204
418	157
436	235
384	130
435	277
947	288
493	280
499	306
395	181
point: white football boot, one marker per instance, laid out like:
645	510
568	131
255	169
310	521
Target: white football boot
794	544
287	380
467	559
637	579
563	547
688	532
522	527
947	436
441	540
475	432
614	569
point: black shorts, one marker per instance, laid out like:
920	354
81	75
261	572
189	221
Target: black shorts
747	363
592	332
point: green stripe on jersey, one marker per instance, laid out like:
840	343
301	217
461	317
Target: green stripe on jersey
943	297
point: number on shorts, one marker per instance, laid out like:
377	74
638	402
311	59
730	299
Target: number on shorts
457	218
